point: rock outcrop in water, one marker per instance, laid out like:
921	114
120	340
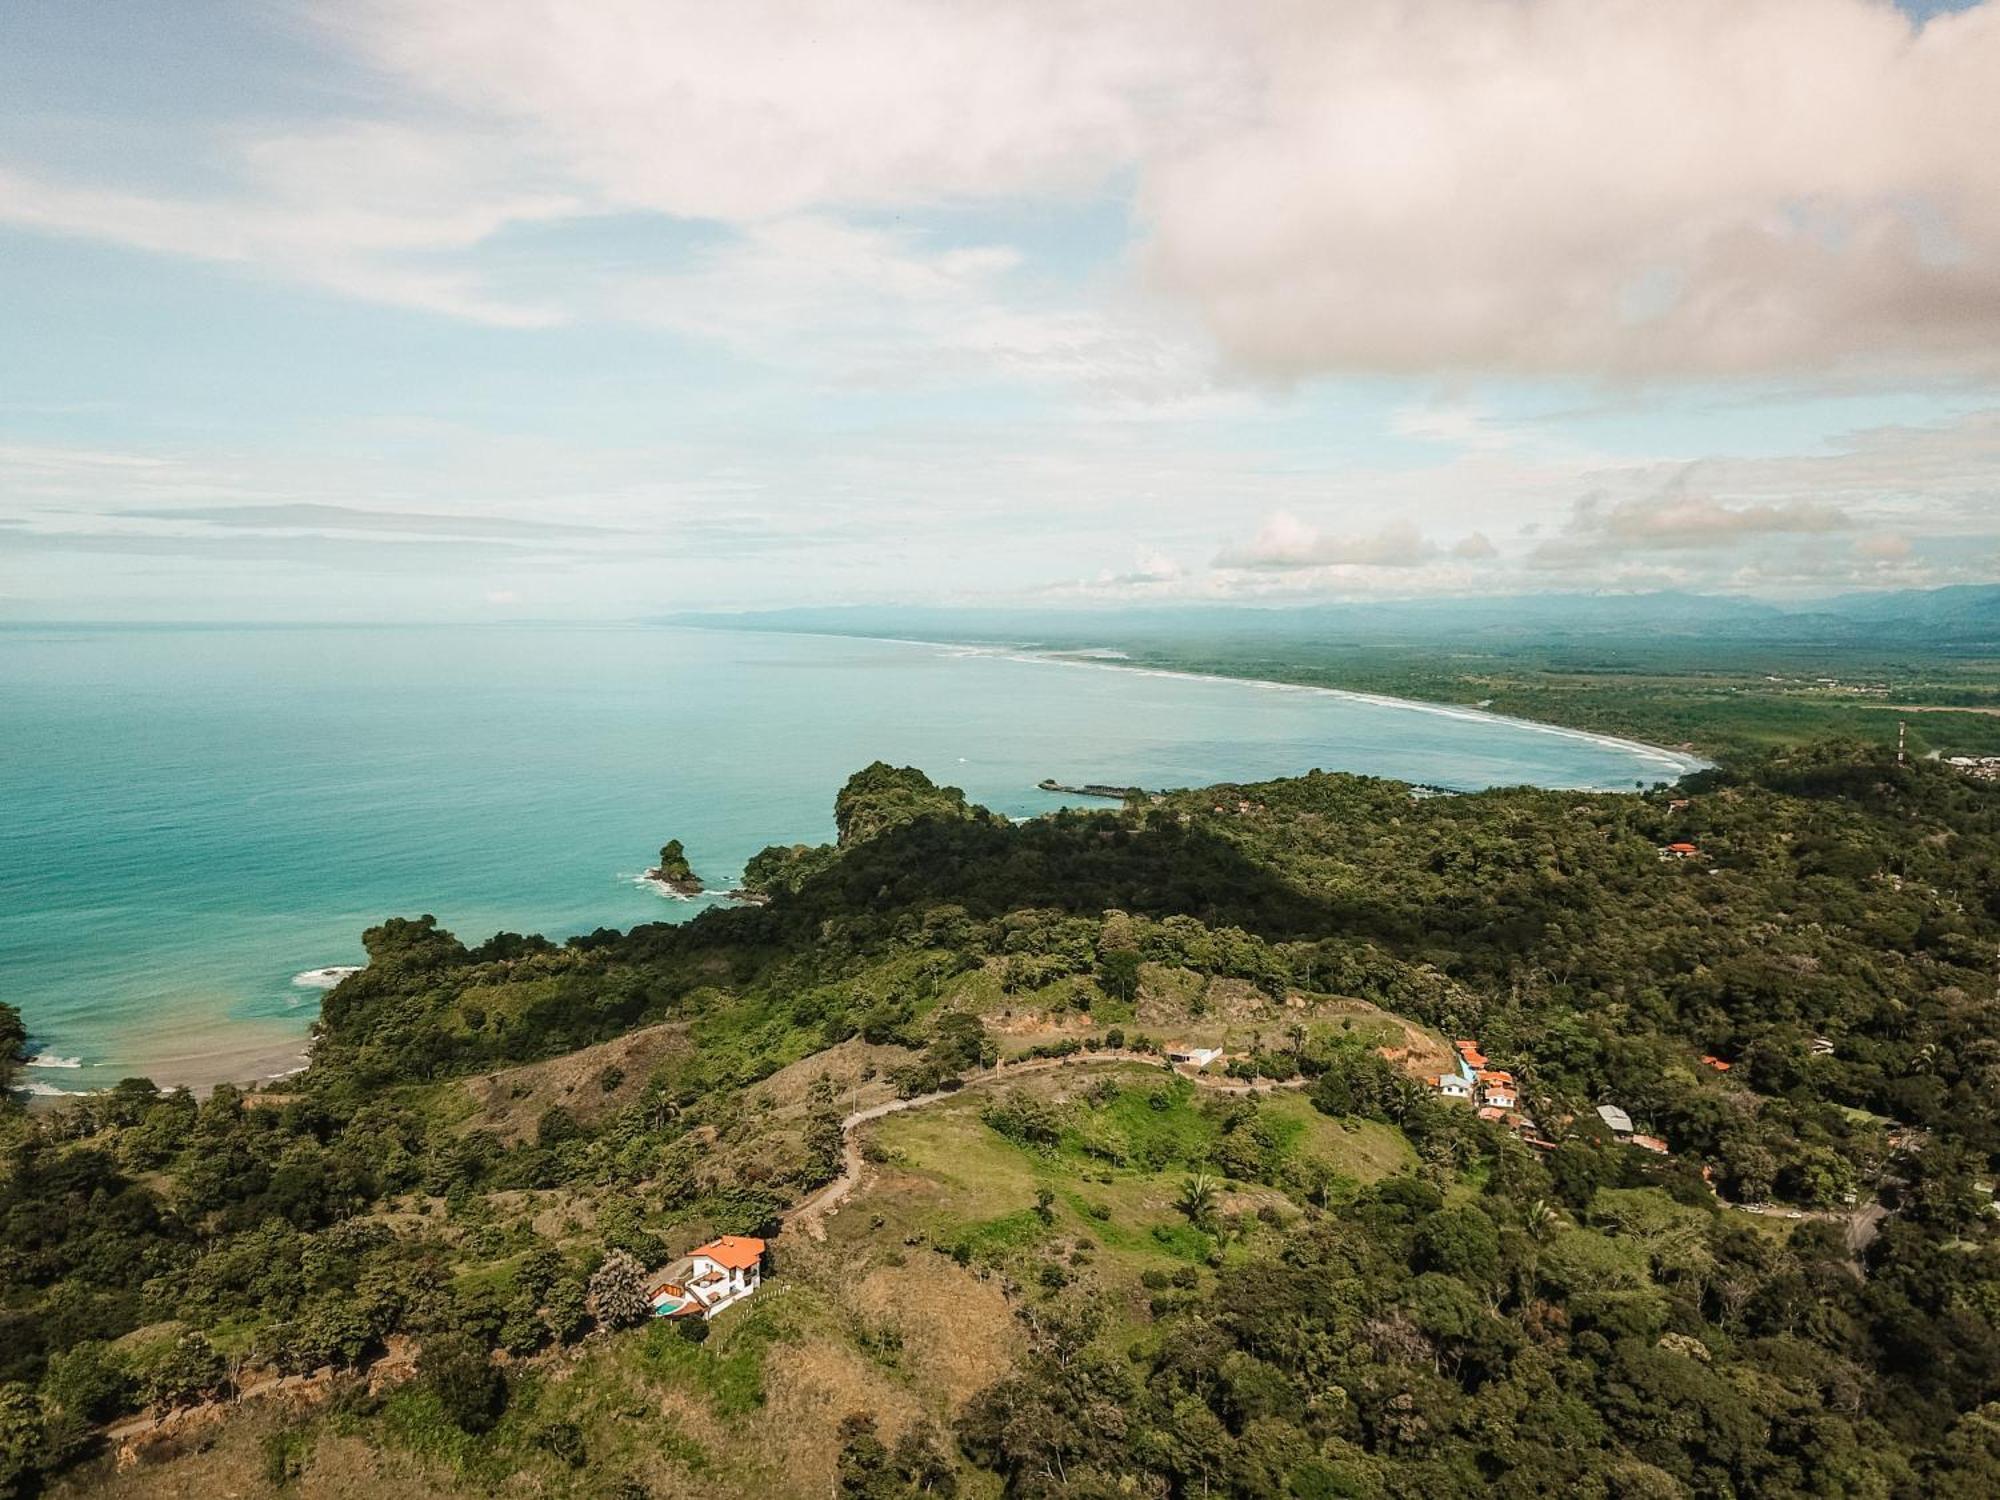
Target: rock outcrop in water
674	872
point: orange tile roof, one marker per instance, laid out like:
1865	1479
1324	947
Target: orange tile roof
739	1252
1650	1143
1682	848
1496	1075
1718	1064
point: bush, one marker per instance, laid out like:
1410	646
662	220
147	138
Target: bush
286	1452
183	1372
456	1368
565	1441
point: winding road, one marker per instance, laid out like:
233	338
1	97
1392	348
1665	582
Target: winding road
809	1215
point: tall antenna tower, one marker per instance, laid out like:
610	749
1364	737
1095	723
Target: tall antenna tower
1902	729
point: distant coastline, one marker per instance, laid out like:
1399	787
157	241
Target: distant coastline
1106	659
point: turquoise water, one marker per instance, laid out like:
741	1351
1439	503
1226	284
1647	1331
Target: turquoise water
190	818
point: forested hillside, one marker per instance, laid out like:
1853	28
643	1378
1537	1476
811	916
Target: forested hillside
1326	1282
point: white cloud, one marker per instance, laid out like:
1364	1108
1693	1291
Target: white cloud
1884	548
1284	544
1677	519
373	211
1593	186
765	108
1654	186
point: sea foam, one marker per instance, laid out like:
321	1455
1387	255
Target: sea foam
324	979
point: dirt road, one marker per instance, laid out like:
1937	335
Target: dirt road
808	1216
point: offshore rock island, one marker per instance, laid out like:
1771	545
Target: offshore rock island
674	874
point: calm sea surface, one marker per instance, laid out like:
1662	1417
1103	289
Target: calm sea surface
191	818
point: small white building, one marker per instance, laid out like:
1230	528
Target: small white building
1189	1054
1615	1120
1454	1086
1496	1089
709	1278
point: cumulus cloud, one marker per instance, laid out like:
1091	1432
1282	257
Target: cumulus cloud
1886	547
1678	186
1695	186
1677	520
764	108
1285	544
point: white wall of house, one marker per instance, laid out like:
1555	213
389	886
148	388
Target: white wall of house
735	1285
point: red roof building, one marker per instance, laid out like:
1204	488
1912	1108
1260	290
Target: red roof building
733	1252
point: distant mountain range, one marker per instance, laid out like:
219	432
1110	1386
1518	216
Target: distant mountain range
1964	618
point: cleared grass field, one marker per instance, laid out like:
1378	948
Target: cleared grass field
1127	1137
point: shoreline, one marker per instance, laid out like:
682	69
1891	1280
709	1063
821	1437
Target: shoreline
1684	762
248	1061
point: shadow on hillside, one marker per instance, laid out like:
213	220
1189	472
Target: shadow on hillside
1081	863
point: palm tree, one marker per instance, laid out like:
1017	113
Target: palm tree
1197	1199
1543	1219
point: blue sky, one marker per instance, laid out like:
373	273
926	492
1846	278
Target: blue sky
479	309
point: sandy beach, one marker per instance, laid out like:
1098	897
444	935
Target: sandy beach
241	1052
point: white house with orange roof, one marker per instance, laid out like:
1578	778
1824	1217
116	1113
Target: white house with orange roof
709	1278
1496	1088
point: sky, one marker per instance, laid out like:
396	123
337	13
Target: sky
600	309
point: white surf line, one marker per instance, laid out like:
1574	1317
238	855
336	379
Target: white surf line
1681	762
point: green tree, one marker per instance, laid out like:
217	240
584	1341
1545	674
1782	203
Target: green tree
1461	1242
88	1380
924	1463
566	1309
21	1438
864	1469
13	1045
618	1291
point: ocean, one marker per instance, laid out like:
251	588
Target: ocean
192	819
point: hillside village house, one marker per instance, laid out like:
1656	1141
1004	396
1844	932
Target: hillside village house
1492	1088
1615	1120
1492	1091
1191	1055
1496	1088
709	1278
